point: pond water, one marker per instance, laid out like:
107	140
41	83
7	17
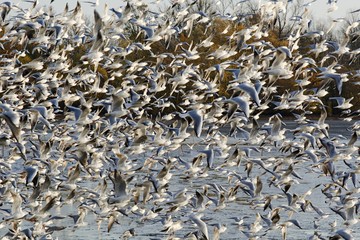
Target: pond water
242	204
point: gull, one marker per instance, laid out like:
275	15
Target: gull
32	175
329	147
218	228
113	216
117	107
353	139
284	226
200	224
34	65
340	48
4	141
222	53
179	199
199	202
355	11
251	91
164	175
308	138
170	226
311	154
98	22
120	195
192	168
319	211
219	201
206	43
190	21
77	112
16	209
73	176
40	114
5	8
349	215
233	159
145	187
238	102
258	187
249	188
128	233
265	167
254	227
131	118
117	13
13	121
276	133
95	54
93	3
307	4
150	214
79	218
319	47
342	102
180	79
333	7
190	54
345	234
150	34
209	157
198	119
323	127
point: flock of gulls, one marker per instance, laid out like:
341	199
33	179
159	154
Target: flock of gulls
153	150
